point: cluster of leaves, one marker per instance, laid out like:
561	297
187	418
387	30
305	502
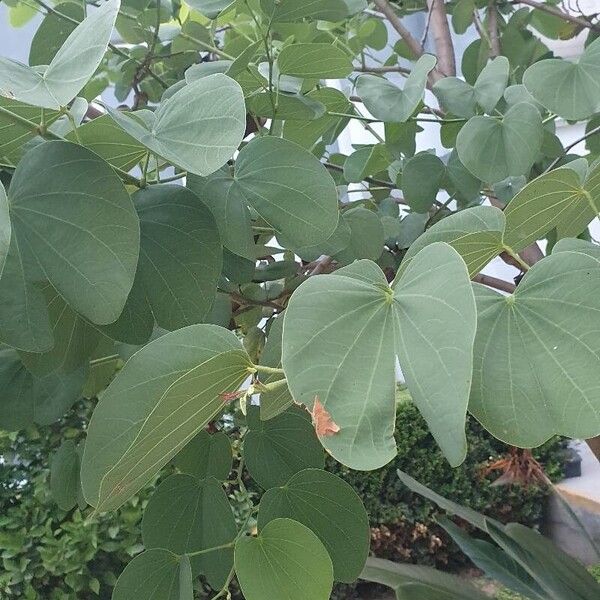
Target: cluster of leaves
260	276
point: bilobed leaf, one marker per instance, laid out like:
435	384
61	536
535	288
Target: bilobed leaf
389	103
366	161
456	96
289	188
556	199
25	399
185	515
366	236
276	449
475	233
314	61
274	402
421	180
206	455
571	89
156	573
73	214
413	582
64	475
70	69
342	332
286	560
288	11
52	33
534	357
288	107
511	144
109	141
491	83
164	395
329	507
198	128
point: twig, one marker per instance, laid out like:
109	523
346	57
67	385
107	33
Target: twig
321	266
589	134
494	282
426	30
446	65
594	444
386	8
390	69
558	13
495	49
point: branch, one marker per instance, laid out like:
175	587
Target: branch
572	145
402	70
386	8
494	282
558	13
495	49
594	444
446	66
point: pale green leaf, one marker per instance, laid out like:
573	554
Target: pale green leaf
491	83
198	128
286	560
164	395
329	507
421	180
288	107
210	8
70	69
511	143
366	236
456	96
314	61
288	11
366	161
389	103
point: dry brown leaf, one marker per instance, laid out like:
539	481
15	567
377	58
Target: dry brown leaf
322	421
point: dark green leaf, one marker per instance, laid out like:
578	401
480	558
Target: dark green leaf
206	455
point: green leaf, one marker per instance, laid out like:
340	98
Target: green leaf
329	507
342	331
389	103
366	236
421	180
155	573
289	188
366	161
289	11
27	399
556	199
198	128
276	449
511	144
456	96
534	357
5	228
206	455
475	233
274	402
491	83
211	8
314	61
74	339
107	140
413	582
180	256
186	515
52	33
70	69
72	215
287	106
495	563
571	89
229	208
64	475
286	560
164	395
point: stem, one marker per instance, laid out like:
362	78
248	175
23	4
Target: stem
442	37
493	282
104	359
214	549
270	387
522	264
71	120
269	370
495	49
386	8
206	46
145	166
558	13
176	177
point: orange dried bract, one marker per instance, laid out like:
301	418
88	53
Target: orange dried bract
322	421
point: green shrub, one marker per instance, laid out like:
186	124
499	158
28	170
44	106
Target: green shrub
403	525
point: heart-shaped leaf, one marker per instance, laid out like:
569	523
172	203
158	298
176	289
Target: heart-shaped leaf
341	335
203	519
206	455
72	216
511	143
570	89
164	395
540	336
198	128
389	103
211	8
276	449
64	475
421	180
289	11
156	573
70	69
329	507
286	560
